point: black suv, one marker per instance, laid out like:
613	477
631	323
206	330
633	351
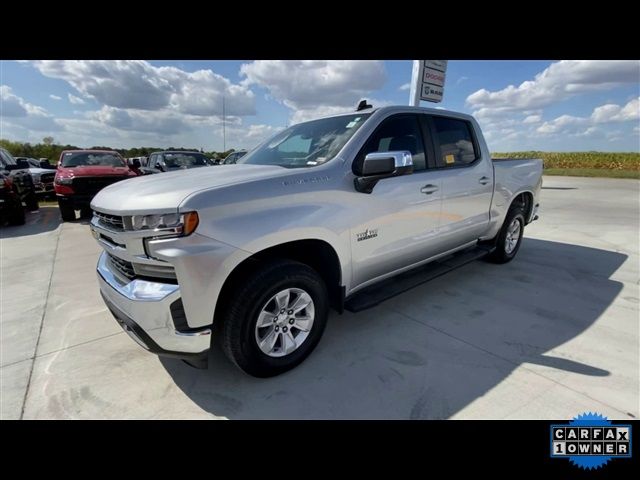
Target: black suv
19	179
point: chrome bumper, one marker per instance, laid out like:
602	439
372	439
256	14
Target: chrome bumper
142	308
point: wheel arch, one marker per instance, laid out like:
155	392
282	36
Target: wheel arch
317	254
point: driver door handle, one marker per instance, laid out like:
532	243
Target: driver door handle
483	180
429	189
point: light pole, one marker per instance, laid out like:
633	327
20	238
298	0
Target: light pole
224	125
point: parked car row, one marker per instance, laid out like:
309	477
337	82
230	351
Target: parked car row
17	189
80	175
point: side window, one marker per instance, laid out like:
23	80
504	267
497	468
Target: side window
400	132
453	142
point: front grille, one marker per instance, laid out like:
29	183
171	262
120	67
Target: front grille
92	185
47	177
110	222
123	267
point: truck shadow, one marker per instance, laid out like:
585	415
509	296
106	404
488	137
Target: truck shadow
430	352
44	220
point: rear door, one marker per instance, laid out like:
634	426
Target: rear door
467	181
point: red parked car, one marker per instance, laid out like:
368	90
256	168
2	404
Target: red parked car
83	173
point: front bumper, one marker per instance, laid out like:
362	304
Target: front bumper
143	310
75	201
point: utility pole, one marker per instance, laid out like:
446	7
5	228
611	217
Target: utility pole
224	126
416	83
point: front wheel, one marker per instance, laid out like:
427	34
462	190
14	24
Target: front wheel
32	202
510	237
275	319
17	217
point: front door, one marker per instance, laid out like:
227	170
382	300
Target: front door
400	217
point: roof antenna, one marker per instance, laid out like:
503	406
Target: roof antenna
363	105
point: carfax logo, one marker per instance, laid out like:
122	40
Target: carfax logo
590	441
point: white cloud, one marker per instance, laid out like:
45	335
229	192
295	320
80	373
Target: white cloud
610	113
15	110
564	123
239	136
532	119
405	86
136	84
55	97
310	86
75	100
616	113
557	82
461	79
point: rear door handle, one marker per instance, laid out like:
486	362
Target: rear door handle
429	189
484	180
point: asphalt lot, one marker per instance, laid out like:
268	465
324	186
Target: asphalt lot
550	335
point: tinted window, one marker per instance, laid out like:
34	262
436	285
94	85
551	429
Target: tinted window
6	158
82	159
454	143
400	132
184	160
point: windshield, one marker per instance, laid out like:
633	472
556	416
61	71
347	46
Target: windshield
184	160
307	144
91	159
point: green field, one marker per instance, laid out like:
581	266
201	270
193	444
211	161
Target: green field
584	164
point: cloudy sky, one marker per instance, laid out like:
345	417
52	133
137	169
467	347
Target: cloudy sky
521	105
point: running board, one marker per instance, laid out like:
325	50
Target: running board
386	289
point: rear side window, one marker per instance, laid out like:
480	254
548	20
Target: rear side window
453	142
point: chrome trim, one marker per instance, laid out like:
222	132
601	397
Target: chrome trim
401	158
141	290
199	333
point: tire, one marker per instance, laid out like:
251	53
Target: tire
505	251
32	202
68	213
253	296
17	216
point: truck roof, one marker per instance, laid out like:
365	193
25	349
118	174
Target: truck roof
402	109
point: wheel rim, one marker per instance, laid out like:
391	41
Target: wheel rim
284	323
513	236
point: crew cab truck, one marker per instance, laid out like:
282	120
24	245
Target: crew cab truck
340	212
82	173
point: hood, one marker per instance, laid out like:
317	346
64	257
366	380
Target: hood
163	192
93	171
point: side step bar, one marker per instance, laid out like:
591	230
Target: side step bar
386	289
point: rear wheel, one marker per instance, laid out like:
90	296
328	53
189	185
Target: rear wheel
276	318
510	237
17	217
67	212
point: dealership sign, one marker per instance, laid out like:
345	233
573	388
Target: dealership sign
427	81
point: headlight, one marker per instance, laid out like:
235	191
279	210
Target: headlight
172	223
64	180
35	177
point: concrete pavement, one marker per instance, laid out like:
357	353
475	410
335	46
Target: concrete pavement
550	335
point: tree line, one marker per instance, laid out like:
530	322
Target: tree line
51	151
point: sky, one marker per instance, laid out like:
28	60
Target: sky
521	105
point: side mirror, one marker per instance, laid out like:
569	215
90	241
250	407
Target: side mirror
379	165
135	163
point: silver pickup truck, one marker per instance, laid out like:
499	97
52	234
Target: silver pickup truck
320	216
